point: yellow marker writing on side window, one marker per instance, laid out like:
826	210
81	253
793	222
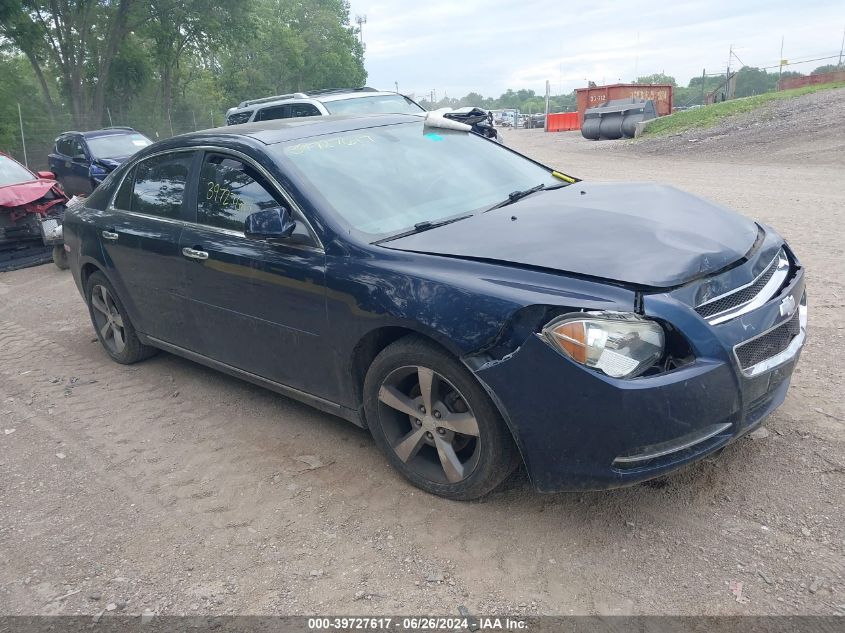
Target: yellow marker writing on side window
557	174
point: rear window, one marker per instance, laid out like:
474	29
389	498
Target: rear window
382	104
159	186
236	118
12	172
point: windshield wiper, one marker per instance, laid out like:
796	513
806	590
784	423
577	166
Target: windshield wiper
513	196
420	227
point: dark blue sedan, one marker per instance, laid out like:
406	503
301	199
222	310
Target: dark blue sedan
82	160
472	308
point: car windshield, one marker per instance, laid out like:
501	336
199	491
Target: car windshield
12	172
381	104
117	145
383	181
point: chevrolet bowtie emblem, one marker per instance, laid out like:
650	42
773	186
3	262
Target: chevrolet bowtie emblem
787	306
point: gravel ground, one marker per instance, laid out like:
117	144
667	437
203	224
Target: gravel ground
167	487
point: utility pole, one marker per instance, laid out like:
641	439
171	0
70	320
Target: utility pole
841	48
548	99
361	20
703	73
396	83
728	74
780	62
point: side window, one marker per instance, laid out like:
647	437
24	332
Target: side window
123	198
159	184
303	109
75	147
271	114
63	146
229	190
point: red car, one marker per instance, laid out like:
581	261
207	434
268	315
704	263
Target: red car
32	206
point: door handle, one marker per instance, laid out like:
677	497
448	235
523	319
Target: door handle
192	253
110	235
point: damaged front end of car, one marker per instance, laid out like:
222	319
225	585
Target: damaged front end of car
31	215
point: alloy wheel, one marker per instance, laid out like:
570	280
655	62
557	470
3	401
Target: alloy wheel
108	319
429	424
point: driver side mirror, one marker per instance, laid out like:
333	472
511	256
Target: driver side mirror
269	224
46	175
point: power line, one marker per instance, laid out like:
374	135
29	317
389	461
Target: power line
804	61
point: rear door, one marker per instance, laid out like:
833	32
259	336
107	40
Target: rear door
140	234
260	306
61	163
78	174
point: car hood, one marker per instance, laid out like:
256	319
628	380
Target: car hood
111	163
635	233
25	192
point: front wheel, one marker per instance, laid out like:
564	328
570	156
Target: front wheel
435	423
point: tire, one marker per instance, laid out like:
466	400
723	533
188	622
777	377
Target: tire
429	451
60	257
114	330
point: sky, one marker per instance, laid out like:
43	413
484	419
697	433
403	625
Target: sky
488	46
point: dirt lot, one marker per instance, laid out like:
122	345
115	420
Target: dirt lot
171	488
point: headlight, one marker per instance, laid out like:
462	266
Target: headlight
620	344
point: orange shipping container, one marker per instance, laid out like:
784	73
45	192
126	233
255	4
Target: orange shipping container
661	94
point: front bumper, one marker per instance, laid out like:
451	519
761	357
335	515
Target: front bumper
581	430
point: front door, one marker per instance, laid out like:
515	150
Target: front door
258	306
140	237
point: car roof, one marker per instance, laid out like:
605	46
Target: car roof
281	130
321	96
352	95
107	131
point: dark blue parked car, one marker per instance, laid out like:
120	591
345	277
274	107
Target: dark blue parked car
81	160
472	308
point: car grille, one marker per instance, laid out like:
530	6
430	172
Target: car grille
742	296
769	344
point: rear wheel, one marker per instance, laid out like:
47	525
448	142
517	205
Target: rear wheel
435	423
114	329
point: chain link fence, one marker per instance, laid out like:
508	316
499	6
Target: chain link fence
34	132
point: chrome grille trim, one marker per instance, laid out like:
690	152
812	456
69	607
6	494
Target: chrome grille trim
769	282
785	354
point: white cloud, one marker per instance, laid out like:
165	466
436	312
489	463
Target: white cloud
487	47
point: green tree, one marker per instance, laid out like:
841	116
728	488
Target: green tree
17	27
754	81
828	68
294	45
78	38
180	28
656	78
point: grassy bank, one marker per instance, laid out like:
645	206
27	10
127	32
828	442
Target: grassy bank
711	115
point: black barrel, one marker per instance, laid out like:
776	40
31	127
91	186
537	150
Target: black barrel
617	118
